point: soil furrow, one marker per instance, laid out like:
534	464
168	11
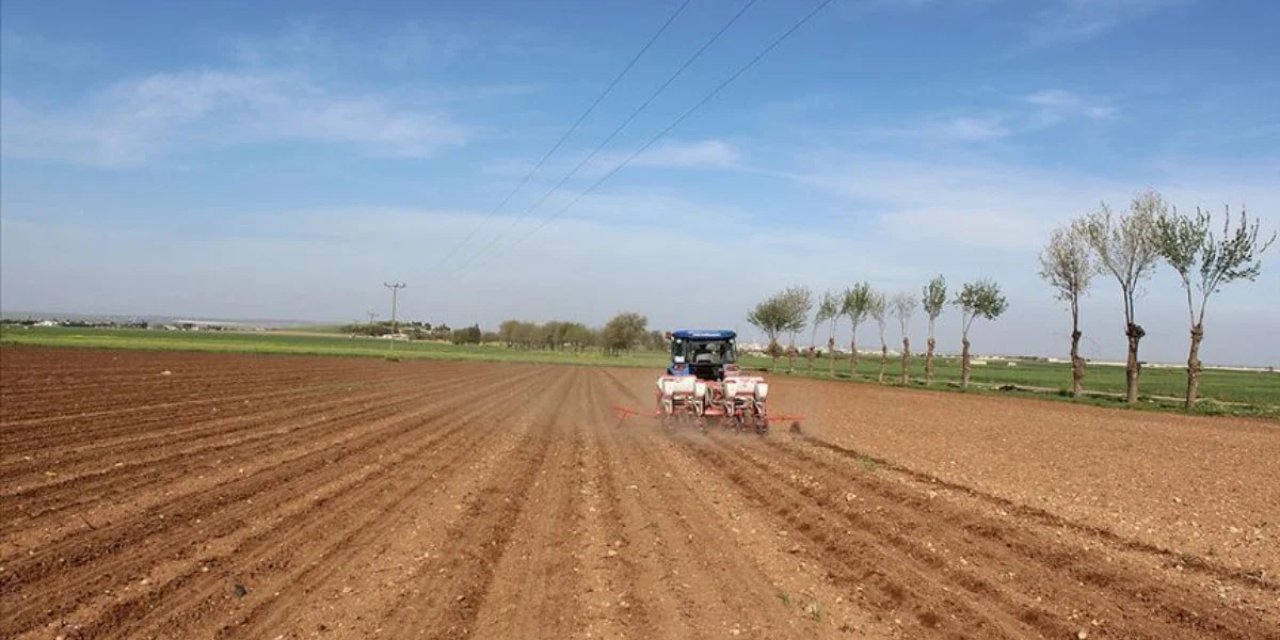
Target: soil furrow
73	564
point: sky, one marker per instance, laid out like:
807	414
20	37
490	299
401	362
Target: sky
285	159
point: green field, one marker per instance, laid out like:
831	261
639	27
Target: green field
298	342
1243	392
1248	387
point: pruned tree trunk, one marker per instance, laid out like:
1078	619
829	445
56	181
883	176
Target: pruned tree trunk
831	357
1132	368
884	359
813	353
965	367
928	363
853	358
1193	366
791	359
906	361
1077	366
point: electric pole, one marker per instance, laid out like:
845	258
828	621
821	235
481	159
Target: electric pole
395	328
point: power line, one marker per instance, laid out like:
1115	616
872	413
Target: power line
609	138
705	99
565	136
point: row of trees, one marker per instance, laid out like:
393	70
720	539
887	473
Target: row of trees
1129	246
787	314
623	332
412	330
554	335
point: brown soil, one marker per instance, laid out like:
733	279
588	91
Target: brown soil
277	497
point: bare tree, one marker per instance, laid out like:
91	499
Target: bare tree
935	298
1126	247
856	305
1205	263
828	310
797	303
976	299
1067	264
904	306
879	307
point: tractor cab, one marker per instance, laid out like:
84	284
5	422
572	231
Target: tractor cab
702	353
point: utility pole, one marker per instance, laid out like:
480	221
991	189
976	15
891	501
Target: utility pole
372	315
395	329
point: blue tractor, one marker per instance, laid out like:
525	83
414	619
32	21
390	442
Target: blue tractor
704	383
702	353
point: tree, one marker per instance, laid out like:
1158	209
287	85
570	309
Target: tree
935	298
656	341
1126	247
770	317
578	336
856	304
466	335
624	332
828	311
797	302
507	331
904	306
976	299
1067	264
1206	263
879	307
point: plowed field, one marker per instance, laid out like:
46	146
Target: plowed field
174	495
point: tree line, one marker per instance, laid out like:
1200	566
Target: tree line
786	314
624	332
1128	246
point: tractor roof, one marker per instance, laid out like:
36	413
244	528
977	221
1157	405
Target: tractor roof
704	334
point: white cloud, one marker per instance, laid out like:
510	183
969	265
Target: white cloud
704	153
138	120
975	128
1057	105
956	129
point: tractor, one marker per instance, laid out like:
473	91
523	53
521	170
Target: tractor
703	384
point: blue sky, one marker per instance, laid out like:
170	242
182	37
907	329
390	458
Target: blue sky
284	159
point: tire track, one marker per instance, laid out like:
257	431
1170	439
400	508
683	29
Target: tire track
691	584
550	541
445	599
